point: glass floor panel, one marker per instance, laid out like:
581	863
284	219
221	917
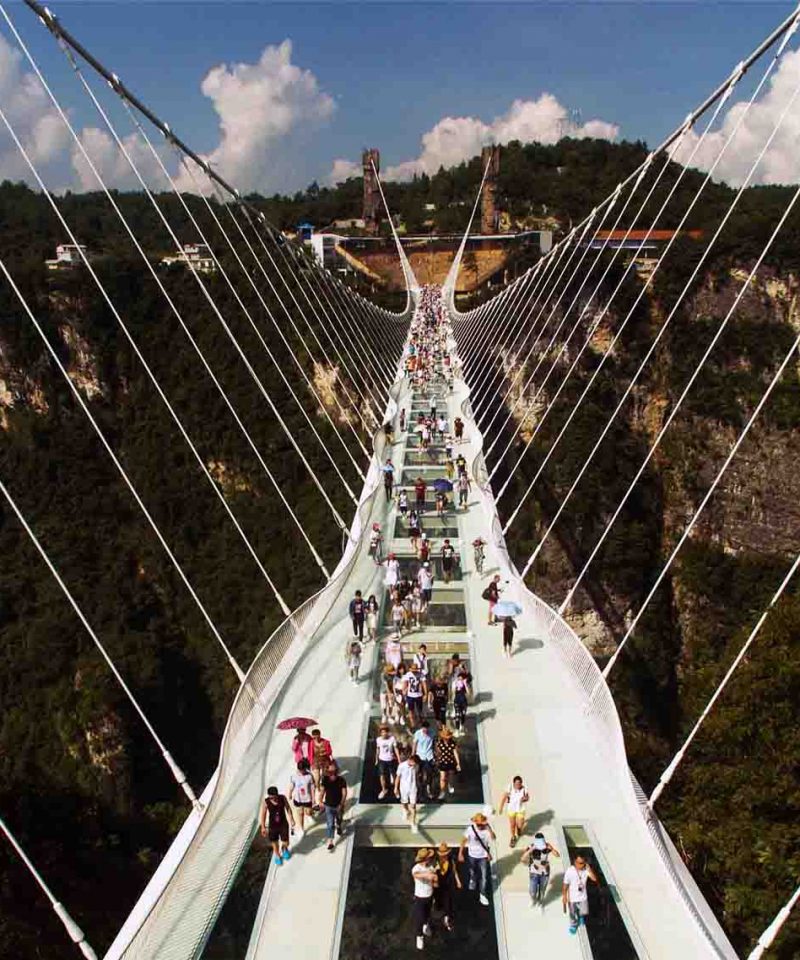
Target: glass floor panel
608	935
439	615
409	476
468	787
409	567
377	920
431	524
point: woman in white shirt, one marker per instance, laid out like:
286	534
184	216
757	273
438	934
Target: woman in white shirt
516	796
373	609
425	879
392	571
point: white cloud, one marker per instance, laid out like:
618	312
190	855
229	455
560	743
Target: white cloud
262	108
781	164
111	164
455	139
32	116
343	170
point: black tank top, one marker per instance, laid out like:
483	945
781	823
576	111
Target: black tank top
276	812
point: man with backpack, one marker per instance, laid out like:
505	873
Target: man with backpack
537	858
492	594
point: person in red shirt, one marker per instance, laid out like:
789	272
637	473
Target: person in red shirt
424	548
321	753
419	489
301	746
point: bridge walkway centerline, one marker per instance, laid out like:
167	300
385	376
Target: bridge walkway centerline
534	726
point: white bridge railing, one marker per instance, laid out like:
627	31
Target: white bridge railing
599	708
177	910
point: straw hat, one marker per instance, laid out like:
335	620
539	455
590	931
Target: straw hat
415	666
446	733
424	853
479	818
443	848
389	668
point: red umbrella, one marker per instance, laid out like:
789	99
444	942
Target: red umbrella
295	723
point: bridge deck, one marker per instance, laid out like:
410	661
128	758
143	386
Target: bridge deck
531	723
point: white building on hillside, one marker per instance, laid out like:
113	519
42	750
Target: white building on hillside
68	255
196	256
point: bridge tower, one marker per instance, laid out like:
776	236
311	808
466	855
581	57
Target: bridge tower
371	164
490	215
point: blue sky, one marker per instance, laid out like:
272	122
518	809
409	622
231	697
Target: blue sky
393	71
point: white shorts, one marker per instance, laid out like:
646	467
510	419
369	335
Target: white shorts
408	796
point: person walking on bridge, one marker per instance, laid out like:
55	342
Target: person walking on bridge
425	879
405	787
574	893
425	581
423	748
415	690
509	626
373	609
458	429
449	882
388	478
464	489
424	552
301	746
334	797
387	758
515	798
476	840
492	594
448	560
273	821
301	790
420	488
447	760
358	614
537	859
321	756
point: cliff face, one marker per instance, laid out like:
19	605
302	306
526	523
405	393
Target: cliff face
722	579
80	778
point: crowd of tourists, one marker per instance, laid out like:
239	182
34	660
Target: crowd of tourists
424	704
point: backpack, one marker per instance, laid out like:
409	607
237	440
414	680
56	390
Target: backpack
486	595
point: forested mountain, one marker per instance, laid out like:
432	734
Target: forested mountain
80	780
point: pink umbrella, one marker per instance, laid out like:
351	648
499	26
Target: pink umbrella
296	723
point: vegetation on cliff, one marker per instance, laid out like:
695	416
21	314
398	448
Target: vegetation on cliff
80	780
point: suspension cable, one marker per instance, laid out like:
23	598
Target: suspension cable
667	775
768	937
204	290
542	353
734	449
73	930
651	350
175	770
676	407
121	470
128	229
260	266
